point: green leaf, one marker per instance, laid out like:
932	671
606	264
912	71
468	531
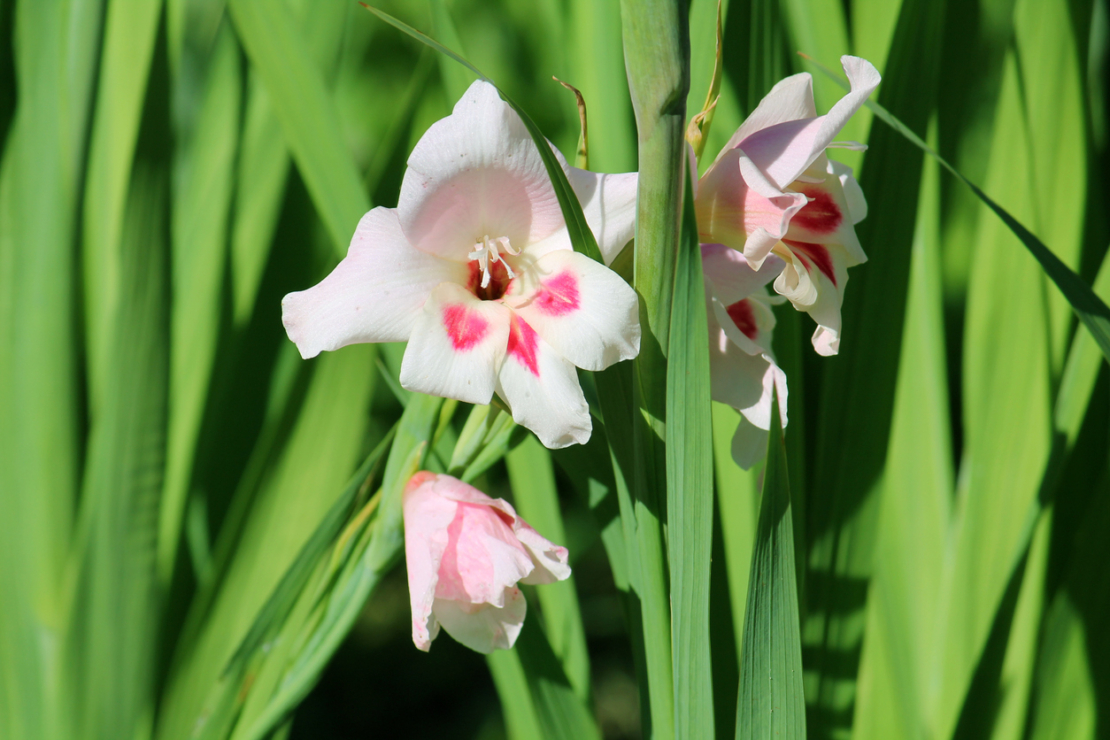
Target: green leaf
129	36
771	703
532	477
689	458
204	164
307	114
858	386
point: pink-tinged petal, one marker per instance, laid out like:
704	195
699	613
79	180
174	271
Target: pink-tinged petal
477	173
786	150
427	516
456	346
584	310
773	380
749	444
483	557
827	218
805	284
731	277
550	559
484	628
789	100
739	207
748	322
735	377
609	205
853	194
374	295
541	388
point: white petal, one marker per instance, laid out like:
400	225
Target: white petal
457	346
735	377
482	627
374	295
785	150
550	559
477	173
427	516
731	276
581	308
749	444
789	100
853	194
814	290
541	388
609	204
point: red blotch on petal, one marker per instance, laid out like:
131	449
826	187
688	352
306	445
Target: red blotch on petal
523	343
559	295
821	215
817	254
465	328
742	315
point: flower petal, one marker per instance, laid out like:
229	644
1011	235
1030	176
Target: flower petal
789	100
749	444
814	282
484	628
584	310
456	346
427	516
475	173
731	276
853	193
739	207
550	559
735	377
609	204
785	150
541	388
374	295
483	557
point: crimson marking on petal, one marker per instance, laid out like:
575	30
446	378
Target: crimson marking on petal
742	315
821	215
523	344
559	295
816	253
465	328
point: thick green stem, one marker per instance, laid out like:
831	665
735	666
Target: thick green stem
657	56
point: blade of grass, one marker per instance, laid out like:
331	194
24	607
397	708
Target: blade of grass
306	112
129	35
203	165
858	386
53	47
689	461
771	701
532	477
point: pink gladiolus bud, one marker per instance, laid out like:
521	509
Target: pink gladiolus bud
465	554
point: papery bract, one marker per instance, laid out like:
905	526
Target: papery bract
742	367
465	554
475	269
773	190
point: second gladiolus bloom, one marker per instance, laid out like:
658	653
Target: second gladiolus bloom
475	269
465	554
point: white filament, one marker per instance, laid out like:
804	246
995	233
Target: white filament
486	252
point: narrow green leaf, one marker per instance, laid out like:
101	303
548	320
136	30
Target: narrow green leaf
532	477
562	714
771	703
53	47
129	36
115	624
521	720
204	164
858	386
307	114
689	458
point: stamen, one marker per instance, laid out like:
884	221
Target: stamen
486	252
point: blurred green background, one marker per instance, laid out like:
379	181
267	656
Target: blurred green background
171	169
